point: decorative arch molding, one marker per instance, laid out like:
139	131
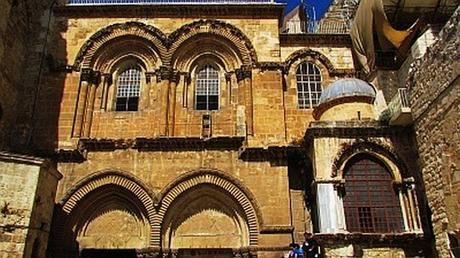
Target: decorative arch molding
309	53
218	179
150	33
107	177
377	148
242	43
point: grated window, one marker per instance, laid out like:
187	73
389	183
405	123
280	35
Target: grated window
370	202
308	85
207	89
129	84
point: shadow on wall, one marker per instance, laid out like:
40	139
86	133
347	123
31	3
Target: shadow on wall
50	90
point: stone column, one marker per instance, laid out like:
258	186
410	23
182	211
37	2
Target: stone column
163	84
330	208
80	106
244	78
106	83
173	82
88	115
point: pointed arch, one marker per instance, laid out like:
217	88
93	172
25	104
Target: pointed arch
226	183
148	38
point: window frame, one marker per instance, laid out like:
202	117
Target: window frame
208	87
128	88
377	200
307	85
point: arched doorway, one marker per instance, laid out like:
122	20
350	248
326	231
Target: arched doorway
207	216
108	214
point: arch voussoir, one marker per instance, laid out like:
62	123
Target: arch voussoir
217	179
110	178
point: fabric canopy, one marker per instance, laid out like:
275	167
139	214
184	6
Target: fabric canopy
371	17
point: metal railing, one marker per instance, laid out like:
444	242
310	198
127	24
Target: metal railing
159	2
315	27
399	101
398	111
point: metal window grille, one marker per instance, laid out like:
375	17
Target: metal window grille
371	204
308	85
128	89
207	89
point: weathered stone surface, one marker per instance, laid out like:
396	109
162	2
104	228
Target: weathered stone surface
434	93
27	192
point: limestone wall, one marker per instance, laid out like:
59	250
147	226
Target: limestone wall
19	24
266	184
27	192
434	93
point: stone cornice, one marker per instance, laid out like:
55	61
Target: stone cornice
276	229
273	153
355	128
162	143
188	143
214	11
20	158
323	40
371	239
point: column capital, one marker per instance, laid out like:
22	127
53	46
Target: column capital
90	76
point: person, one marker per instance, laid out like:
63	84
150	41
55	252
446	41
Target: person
296	251
310	247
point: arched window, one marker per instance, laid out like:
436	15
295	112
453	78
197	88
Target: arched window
128	89
308	85
371	204
207	89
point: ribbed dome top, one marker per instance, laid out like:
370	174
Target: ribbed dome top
346	88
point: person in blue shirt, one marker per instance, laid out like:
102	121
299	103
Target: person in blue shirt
296	252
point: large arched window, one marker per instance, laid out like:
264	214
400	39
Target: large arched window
128	89
308	85
371	204
207	89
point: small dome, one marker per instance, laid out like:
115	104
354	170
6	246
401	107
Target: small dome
347	88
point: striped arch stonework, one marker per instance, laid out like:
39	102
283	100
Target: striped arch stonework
215	178
153	35
110	177
166	45
228	31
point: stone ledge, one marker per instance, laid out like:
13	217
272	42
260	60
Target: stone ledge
269	153
371	238
355	128
276	229
20	158
211	10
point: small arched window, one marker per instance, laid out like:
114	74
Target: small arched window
371	204
308	85
207	89
128	89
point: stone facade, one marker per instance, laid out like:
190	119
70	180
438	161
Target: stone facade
27	190
23	29
434	93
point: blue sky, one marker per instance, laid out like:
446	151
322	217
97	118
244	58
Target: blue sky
320	6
